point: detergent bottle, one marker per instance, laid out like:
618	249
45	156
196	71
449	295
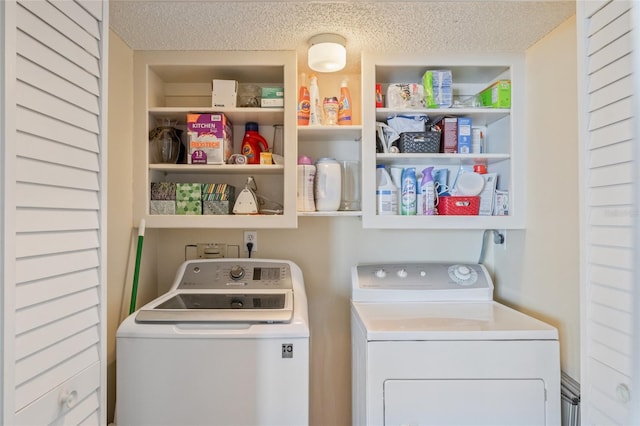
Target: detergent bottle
253	143
303	104
344	109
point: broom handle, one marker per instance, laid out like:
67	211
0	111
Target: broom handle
136	271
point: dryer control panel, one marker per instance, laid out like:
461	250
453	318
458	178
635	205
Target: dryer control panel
421	282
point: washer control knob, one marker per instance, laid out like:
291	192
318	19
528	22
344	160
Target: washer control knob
381	273
236	272
402	273
423	274
463	272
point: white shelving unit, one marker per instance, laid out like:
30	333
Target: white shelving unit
504	133
169	85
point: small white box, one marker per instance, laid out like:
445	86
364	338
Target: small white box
224	93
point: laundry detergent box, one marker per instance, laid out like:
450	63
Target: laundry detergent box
498	95
209	137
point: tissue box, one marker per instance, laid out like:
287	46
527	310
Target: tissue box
498	95
272	97
217	198
188	191
163	191
162	207
224	93
193	207
209	138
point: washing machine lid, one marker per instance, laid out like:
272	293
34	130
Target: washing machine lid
266	306
408	321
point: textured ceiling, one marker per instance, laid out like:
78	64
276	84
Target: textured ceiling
379	26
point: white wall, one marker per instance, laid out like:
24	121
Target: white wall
531	270
538	272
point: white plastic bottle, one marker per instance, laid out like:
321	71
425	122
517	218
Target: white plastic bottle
328	184
315	108
306	177
386	192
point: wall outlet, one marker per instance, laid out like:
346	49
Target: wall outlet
251	237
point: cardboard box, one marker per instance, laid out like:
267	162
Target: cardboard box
464	135
498	95
209	138
217	198
224	93
449	127
162	207
272	97
193	207
163	191
188	191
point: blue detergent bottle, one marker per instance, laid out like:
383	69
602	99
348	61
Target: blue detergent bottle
408	206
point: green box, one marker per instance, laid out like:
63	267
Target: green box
193	207
498	95
272	97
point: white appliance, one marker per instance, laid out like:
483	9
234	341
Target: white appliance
431	347
227	345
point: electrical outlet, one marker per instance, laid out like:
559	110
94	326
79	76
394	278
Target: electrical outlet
251	237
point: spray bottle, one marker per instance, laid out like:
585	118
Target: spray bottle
315	109
303	103
428	190
409	192
253	143
344	109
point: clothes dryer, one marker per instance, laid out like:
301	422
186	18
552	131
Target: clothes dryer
430	346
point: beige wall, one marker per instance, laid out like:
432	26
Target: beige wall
538	272
326	248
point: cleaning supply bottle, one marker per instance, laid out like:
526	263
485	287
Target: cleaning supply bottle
253	143
303	104
315	108
428	190
306	176
386	192
409	192
345	108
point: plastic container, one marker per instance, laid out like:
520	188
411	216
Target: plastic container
386	192
304	106
344	108
253	143
408	200
328	184
306	177
330	106
315	109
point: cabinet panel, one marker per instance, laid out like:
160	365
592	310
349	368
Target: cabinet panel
170	85
503	130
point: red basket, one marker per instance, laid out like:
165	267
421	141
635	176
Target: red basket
457	205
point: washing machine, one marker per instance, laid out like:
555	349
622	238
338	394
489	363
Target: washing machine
227	345
430	346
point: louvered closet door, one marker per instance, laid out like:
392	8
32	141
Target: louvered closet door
610	213
54	287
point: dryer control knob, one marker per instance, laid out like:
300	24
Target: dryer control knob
236	272
402	273
381	273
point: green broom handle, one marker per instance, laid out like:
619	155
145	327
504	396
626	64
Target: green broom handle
136	271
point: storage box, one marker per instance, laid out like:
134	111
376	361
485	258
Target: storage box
217	198
464	135
419	142
163	191
224	93
456	205
193	207
162	207
449	126
188	191
498	95
272	97
437	88
209	138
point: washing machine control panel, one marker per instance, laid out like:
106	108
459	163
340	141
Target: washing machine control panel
235	273
422	281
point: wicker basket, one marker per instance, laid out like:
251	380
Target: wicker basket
419	142
456	205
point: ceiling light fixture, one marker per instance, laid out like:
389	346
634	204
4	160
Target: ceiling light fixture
327	52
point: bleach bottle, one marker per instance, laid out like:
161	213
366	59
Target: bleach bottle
386	192
253	143
408	206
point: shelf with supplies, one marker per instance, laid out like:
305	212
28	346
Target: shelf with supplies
392	78
170	85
